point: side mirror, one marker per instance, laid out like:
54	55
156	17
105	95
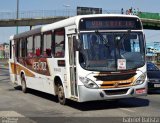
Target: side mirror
76	44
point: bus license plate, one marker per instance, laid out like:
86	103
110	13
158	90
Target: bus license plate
156	85
141	91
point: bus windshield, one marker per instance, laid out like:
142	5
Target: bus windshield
101	51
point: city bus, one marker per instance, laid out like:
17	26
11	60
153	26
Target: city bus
61	59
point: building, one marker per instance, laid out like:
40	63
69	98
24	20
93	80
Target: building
4	50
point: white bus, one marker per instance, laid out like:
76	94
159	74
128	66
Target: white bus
82	58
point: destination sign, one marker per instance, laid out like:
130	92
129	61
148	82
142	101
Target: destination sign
109	23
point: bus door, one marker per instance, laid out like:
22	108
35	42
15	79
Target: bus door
12	61
15	54
72	65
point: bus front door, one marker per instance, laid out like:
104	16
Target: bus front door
12	63
15	62
72	65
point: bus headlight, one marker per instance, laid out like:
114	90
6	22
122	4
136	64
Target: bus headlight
141	79
88	83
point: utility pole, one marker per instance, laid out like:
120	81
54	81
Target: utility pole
17	15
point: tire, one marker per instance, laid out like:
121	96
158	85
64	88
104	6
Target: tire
61	96
23	84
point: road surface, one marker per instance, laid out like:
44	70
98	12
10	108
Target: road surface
36	106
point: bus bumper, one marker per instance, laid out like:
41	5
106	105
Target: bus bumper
86	94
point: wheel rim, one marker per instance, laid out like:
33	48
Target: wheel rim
23	85
23	82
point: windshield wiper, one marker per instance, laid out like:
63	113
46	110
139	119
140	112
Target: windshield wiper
102	38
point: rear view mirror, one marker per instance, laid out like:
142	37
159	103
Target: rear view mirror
76	44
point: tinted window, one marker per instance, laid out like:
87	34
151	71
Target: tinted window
47	39
17	48
23	47
151	66
37	45
30	47
59	43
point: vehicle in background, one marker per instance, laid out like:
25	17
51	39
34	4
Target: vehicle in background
153	73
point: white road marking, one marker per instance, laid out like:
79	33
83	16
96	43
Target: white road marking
12	116
125	109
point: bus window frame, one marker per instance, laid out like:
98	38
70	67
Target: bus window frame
54	43
45	33
10	49
17	46
35	56
24	42
27	47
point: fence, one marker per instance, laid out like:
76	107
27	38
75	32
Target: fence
44	13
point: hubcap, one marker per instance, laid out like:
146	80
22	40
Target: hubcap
61	93
23	84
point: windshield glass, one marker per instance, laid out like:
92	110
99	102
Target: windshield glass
103	51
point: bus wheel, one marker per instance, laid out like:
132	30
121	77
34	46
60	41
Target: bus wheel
61	95
23	83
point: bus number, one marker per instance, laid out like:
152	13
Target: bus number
40	66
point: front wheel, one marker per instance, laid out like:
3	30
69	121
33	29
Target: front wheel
61	95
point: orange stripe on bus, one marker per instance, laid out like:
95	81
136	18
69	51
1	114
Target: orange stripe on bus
16	69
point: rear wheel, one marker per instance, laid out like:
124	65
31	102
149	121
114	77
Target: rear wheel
61	95
23	84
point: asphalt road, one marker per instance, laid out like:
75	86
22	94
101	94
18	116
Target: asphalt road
36	106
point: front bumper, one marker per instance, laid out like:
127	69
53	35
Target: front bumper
86	94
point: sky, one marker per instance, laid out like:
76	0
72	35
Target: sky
152	6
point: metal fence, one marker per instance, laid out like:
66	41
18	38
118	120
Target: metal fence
44	14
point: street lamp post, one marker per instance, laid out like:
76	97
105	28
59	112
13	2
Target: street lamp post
67	10
17	15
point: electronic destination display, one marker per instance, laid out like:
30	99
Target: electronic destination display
110	23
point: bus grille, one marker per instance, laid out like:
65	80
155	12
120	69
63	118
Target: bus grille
116	84
116	92
114	77
116	80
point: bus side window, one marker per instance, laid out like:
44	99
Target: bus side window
59	43
17	48
30	47
47	39
23	47
37	45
